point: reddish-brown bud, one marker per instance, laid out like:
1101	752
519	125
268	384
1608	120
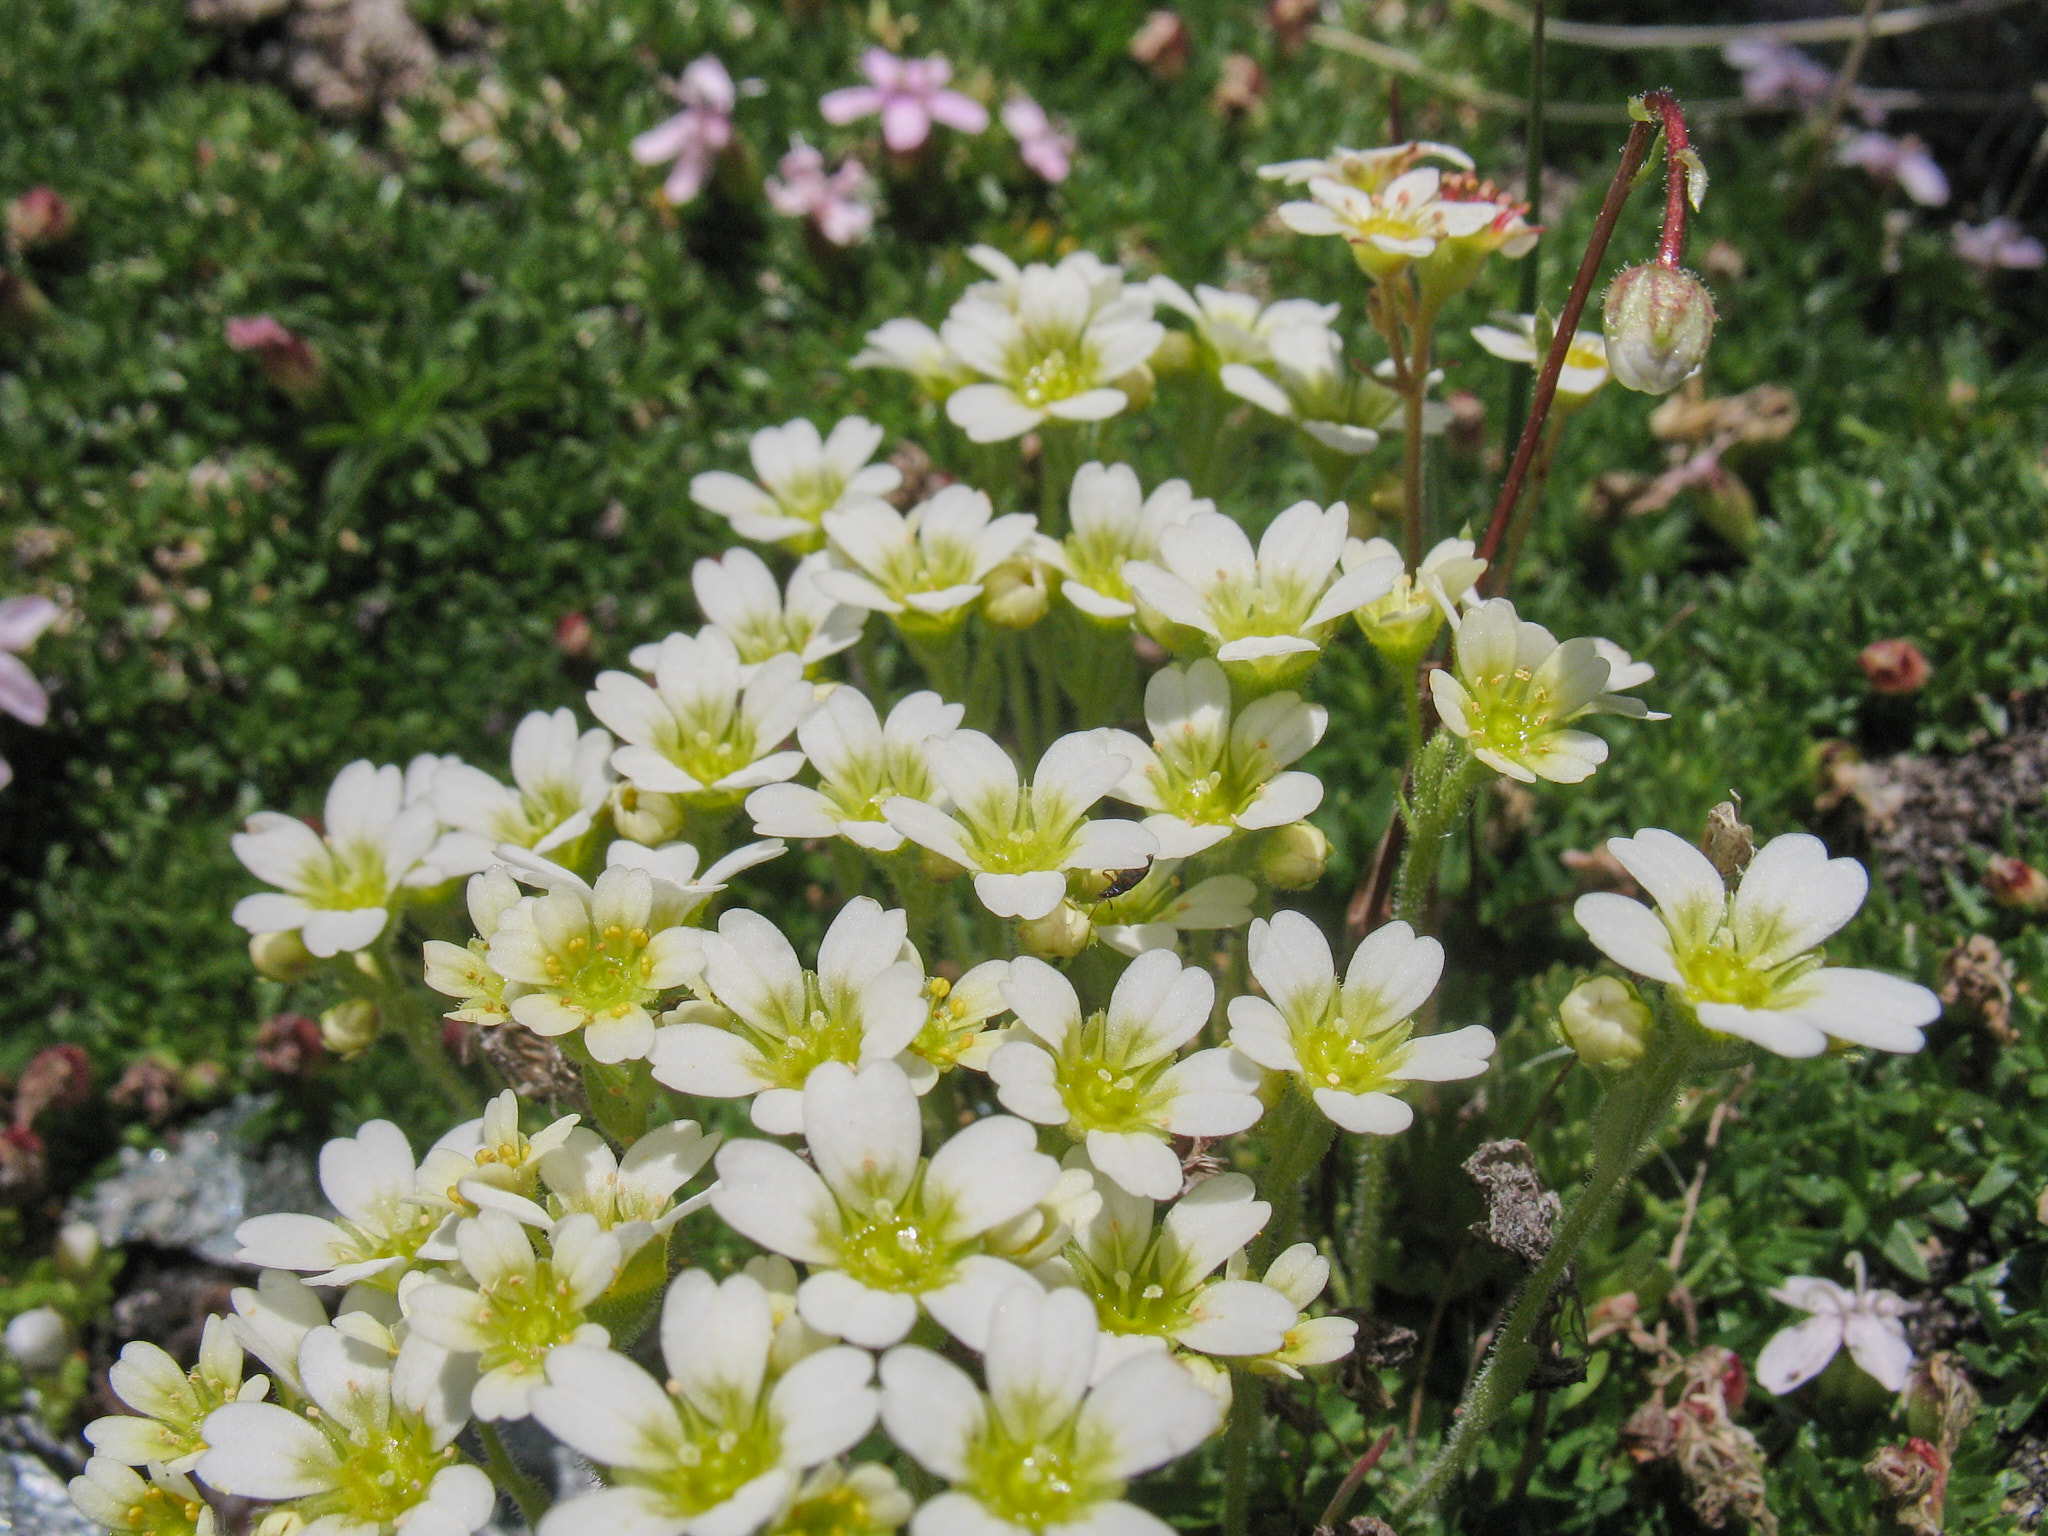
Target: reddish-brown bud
40	216
287	360
1894	666
2016	883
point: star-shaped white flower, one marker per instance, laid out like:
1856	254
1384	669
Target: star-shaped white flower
1864	1320
802	477
882	1230
1749	964
862	761
1111	522
1115	1081
1266	613
701	731
1207	773
1054	1442
1019	840
337	891
561	778
737	594
370	1179
1350	1048
923	568
774	1023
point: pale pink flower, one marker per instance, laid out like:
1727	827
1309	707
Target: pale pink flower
1043	147
696	136
1775	73
1999	242
834	203
1905	161
21	620
909	94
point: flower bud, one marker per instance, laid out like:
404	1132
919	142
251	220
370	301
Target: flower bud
281	956
77	1249
40	216
1293	858
350	1028
646	816
1605	1021
2015	883
39	1340
1658	321
1017	593
1059	935
281	1522
287	359
1894	666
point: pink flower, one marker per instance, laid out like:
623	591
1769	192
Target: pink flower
834	203
21	620
1905	161
287	359
696	136
1043	147
1999	243
1775	73
910	96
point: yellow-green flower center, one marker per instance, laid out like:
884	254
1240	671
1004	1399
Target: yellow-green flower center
1337	1054
379	1476
1037	1482
526	1317
1044	376
891	1248
712	1462
605	976
348	877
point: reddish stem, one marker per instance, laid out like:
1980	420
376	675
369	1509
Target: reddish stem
1671	244
1352	1479
1633	154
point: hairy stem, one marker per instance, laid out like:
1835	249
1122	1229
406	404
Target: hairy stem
1446	774
1241	1440
1634	1111
1299	1144
526	1490
1368	1210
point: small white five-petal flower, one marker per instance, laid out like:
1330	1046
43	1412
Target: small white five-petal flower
802	477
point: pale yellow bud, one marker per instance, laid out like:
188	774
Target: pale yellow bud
281	956
1059	935
1294	857
350	1028
646	817
1017	593
1605	1021
77	1249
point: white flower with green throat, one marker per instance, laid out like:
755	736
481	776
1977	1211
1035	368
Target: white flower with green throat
1351	1048
883	1231
1208	772
861	761
1111	521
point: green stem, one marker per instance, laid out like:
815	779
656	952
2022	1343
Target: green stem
620	1095
1059	455
526	1490
1241	1440
1368	1211
1446	774
1299	1144
418	1024
943	659
1634	1111
916	894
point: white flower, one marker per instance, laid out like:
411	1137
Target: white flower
882	1230
1112	522
336	891
1265	614
1515	692
1403	624
1585	358
955	1032
517	1306
1369	169
633	1198
864	1499
1044	1450
379	1456
1401	222
1749	964
1157	910
802	477
1207	774
777	1023
1055	346
924	568
599	960
737	593
370	1179
562	779
171	1403
1236	327
912	347
115	1496
1300	1274
272	1320
490	1149
1306	381
1866	1320
1155	1286
701	731
1350	1048
1019	840
1111	1081
22	621
719	1450
862	761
